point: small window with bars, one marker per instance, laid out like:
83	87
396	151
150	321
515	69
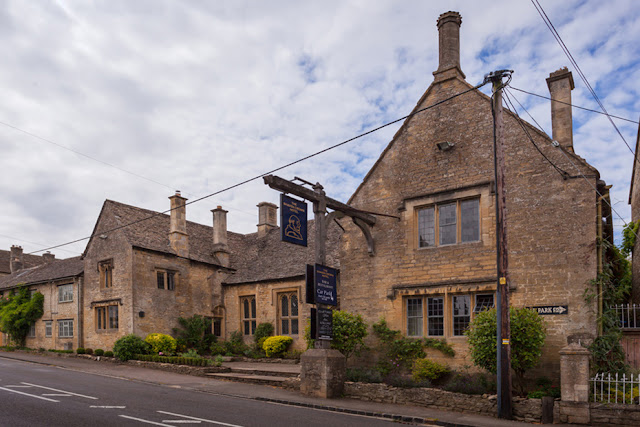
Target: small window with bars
484	302
166	279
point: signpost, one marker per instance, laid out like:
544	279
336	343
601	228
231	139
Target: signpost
544	310
324	324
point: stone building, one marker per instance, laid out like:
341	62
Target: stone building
435	266
60	281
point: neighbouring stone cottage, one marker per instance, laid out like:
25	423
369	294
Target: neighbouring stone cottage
435	266
60	281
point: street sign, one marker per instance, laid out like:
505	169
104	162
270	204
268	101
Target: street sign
551	309
325	323
293	220
325	285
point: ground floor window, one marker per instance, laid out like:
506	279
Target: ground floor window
32	331
47	328
217	326
248	306
65	328
443	315
288	313
107	317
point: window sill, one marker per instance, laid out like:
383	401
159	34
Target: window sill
63	302
452	245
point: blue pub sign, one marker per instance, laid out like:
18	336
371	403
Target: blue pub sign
325	285
293	220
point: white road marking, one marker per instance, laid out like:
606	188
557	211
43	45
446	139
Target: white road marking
27	394
145	421
199	419
19	386
60	391
56	394
108	407
182	421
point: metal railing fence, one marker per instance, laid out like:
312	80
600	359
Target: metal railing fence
629	315
607	388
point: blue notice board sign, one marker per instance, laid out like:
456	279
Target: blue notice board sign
293	220
326	279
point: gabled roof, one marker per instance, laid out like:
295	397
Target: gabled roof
29	261
55	270
265	258
486	98
150	230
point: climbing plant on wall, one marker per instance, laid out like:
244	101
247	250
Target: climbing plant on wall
18	311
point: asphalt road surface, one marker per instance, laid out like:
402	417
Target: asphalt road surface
37	395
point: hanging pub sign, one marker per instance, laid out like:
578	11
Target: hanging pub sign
326	279
551	309
324	324
293	220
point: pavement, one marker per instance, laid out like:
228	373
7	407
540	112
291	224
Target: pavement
402	413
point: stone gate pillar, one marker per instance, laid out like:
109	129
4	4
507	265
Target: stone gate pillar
574	382
322	373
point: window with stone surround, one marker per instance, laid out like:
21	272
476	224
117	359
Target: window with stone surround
48	326
288	313
107	318
106	273
449	223
32	331
248	309
65	328
65	293
443	315
166	279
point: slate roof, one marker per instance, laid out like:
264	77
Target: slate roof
254	258
29	261
267	258
57	269
153	233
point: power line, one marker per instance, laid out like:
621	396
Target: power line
575	106
575	166
35	243
83	155
562	172
271	171
564	47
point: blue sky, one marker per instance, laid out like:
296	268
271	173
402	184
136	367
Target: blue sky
196	96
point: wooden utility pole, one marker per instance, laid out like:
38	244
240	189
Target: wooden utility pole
504	330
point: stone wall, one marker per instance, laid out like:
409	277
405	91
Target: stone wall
614	414
55	310
266	294
551	223
529	410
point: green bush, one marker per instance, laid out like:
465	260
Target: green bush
88	350
263	331
80	350
477	383
349	332
128	346
192	353
425	369
235	345
108	353
99	352
527	338
399	352
194	332
363	375
276	346
161	344
217	348
217	361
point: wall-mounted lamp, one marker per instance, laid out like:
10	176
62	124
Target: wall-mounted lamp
141	313
445	145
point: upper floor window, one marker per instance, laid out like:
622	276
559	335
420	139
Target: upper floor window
248	305
106	273
166	279
65	293
449	223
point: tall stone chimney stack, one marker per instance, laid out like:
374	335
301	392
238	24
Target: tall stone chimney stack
17	259
267	217
220	243
449	46
178	237
560	86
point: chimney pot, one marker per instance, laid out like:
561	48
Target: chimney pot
267	217
48	257
449	46
17	259
178	237
560	85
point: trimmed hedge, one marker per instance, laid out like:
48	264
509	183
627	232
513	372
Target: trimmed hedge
176	360
276	346
99	352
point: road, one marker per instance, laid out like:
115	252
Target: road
38	395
